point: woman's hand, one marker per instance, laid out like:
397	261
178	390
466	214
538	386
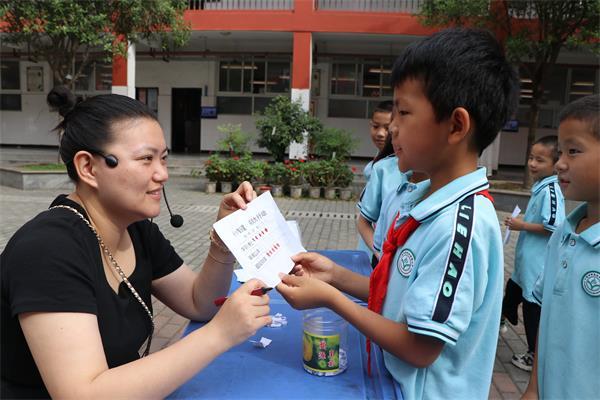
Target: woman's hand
237	200
314	265
303	292
242	314
515	224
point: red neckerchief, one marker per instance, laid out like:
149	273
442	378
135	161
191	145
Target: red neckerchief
381	274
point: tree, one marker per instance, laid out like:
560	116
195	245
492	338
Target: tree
62	32
284	122
533	32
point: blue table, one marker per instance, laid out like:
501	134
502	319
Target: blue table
276	372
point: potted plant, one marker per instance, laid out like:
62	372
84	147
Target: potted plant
294	178
276	175
345	176
314	176
328	169
228	174
213	168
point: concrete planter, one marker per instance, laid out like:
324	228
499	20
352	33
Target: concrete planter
295	191
210	188
277	190
32	180
345	193
330	193
226	187
314	192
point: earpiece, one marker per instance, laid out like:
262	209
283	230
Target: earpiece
176	219
110	160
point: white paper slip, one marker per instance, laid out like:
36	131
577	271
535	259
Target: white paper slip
514	214
260	239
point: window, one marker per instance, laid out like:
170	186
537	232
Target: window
584	82
95	76
247	84
10	77
562	85
148	96
357	87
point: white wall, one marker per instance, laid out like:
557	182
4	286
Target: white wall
33	124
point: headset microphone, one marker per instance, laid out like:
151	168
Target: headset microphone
176	219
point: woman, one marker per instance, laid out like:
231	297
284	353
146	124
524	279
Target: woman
77	279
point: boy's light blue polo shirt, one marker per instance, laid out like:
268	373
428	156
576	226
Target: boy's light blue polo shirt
361	243
569	292
385	178
394	203
446	282
547	207
367	170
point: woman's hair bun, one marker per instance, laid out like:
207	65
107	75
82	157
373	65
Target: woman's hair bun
61	99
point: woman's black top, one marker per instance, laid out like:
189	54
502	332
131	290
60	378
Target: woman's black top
53	264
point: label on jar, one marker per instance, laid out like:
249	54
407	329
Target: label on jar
321	353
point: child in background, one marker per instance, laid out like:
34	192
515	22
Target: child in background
545	212
379	123
567	359
434	299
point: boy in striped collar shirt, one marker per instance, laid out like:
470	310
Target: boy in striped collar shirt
545	211
567	359
434	299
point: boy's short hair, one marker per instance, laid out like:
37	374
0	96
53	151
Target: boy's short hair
467	68
385	106
551	142
585	109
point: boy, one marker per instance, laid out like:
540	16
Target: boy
567	360
434	298
545	211
378	128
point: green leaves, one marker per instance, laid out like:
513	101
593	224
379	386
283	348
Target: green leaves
283	122
61	31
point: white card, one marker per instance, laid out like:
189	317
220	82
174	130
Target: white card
515	212
260	239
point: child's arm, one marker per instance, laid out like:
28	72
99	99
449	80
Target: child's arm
305	292
517	224
322	268
365	229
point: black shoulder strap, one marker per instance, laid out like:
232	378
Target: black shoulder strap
456	261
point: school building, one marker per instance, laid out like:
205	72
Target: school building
335	56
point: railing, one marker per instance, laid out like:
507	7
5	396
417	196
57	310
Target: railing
241	4
399	6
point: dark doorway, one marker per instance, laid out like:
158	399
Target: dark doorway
186	105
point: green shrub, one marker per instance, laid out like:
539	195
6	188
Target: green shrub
332	143
236	142
314	173
276	173
284	122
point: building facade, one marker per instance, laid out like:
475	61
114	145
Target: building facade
334	56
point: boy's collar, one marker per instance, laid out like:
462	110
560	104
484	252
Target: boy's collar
449	194
591	235
539	185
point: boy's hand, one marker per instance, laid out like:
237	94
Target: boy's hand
515	224
313	265
302	292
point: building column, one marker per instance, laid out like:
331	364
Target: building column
123	73
301	79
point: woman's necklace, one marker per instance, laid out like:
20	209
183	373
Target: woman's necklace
116	266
